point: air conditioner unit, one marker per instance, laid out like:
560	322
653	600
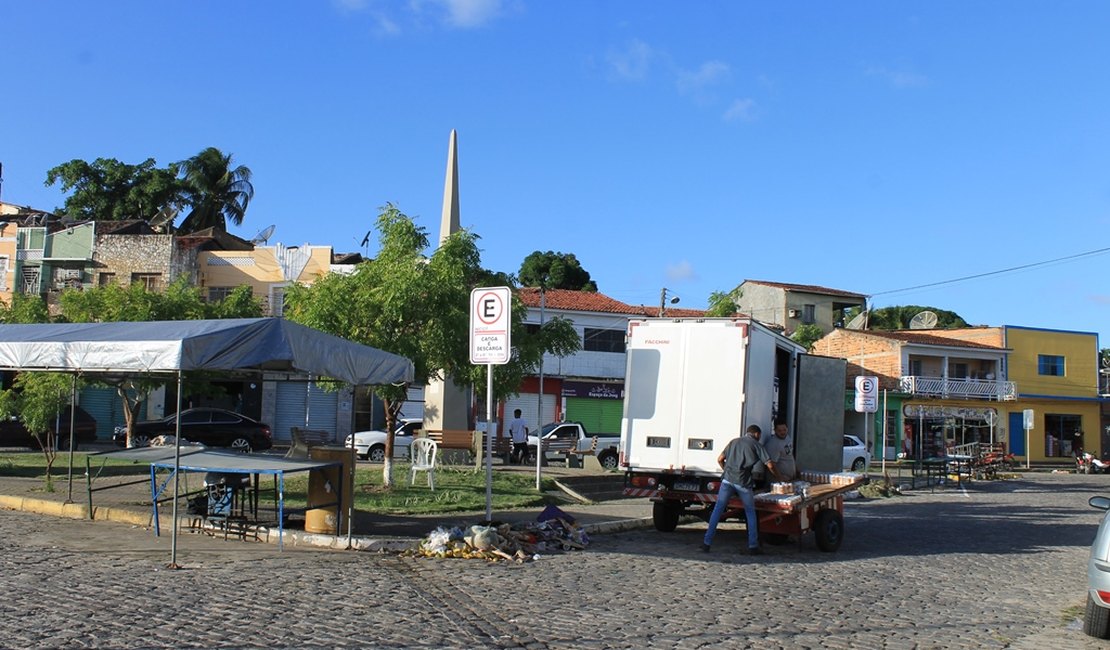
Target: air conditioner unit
793	313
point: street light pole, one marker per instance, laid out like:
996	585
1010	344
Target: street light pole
539	407
663	301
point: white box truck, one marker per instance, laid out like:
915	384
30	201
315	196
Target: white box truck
693	385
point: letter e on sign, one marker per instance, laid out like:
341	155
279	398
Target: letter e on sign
489	325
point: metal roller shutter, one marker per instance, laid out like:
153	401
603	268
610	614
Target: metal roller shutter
106	407
290	409
528	404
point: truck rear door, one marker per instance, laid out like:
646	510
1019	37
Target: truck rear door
684	393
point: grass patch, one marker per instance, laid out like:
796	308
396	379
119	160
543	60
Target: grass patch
32	464
457	490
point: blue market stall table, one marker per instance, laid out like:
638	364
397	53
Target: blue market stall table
224	462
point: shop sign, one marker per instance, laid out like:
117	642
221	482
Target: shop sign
596	390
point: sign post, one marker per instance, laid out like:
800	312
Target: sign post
490	344
1027	423
867	401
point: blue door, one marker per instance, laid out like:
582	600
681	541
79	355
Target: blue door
1017	434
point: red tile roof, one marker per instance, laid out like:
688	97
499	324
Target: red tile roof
592	301
809	288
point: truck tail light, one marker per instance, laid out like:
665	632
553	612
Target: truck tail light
643	481
1104	596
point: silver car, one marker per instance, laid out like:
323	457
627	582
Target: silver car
1096	620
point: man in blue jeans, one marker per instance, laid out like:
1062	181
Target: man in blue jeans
738	459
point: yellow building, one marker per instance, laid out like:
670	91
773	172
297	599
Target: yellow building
267	270
1056	374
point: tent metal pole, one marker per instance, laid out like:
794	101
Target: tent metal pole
176	470
72	435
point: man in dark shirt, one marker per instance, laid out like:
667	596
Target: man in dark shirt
737	460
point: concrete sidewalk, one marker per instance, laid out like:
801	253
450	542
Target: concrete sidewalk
370	531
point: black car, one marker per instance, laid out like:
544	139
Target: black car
14	434
209	426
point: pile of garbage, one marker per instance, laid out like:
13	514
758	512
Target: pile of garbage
554	531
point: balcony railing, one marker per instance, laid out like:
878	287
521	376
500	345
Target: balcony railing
989	389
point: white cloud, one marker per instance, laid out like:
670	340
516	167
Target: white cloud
632	62
899	78
707	74
386	25
467	14
742	110
683	270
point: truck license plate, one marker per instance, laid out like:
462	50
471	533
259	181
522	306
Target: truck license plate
686	486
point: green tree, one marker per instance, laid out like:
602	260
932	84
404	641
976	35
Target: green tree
721	304
216	191
24	309
135	303
409	304
109	190
553	270
35	397
38	398
898	317
805	335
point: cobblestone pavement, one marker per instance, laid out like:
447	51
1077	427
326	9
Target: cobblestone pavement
999	565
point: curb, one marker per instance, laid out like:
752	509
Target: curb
262	534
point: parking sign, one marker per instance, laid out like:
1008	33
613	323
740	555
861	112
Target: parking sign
489	325
867	394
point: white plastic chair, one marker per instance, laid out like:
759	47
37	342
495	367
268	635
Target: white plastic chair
423	451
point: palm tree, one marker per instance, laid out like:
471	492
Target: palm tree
216	192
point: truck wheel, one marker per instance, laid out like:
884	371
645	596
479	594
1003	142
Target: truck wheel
828	527
608	460
664	514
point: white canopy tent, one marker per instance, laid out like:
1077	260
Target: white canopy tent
172	348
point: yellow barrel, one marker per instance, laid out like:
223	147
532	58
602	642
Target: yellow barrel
322	486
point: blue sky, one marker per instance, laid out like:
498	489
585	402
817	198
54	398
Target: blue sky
867	146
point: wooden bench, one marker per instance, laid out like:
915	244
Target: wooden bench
455	445
565	447
577	457
303	439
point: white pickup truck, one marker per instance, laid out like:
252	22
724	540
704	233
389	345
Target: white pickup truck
560	437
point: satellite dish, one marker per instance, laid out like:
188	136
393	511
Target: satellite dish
857	322
163	217
925	320
263	235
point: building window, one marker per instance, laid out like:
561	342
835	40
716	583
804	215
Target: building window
1061	434
915	367
105	279
3	272
1050	364
809	314
150	281
596	340
218	294
532	328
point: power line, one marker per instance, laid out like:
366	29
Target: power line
990	273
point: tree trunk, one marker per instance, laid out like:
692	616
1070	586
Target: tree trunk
391	409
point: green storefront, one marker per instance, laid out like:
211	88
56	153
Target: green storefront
598	405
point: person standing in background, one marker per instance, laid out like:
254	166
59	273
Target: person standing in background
518	429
